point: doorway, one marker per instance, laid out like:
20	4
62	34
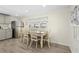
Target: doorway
13	26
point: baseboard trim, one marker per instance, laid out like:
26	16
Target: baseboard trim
61	46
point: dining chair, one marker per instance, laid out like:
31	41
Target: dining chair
41	35
33	38
46	38
20	36
25	38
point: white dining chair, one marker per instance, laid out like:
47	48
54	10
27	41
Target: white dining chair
26	39
33	38
46	38
20	36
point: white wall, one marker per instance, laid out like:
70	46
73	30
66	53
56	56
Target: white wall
58	25
74	42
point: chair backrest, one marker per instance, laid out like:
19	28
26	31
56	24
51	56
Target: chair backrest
33	35
45	34
20	35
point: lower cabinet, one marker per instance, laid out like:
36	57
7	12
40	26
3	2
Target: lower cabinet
8	33
5	34
2	34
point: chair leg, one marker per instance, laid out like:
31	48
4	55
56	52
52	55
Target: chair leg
48	44
31	43
41	43
21	40
36	44
27	42
44	42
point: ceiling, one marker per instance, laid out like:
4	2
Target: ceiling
27	10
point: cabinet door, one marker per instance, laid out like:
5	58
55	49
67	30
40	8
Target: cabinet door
1	19
9	33
2	35
7	20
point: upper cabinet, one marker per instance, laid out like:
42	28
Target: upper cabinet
7	20
1	19
4	19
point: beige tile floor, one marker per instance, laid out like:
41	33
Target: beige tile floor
13	46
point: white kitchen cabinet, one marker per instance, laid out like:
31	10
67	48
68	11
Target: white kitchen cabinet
8	33
1	19
5	34
7	20
5	23
2	35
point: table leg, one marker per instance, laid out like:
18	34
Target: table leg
41	41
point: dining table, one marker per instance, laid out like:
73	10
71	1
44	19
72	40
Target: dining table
40	35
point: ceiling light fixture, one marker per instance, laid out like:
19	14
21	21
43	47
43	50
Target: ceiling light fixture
16	15
44	6
26	11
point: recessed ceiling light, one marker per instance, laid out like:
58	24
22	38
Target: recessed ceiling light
26	10
16	15
44	6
